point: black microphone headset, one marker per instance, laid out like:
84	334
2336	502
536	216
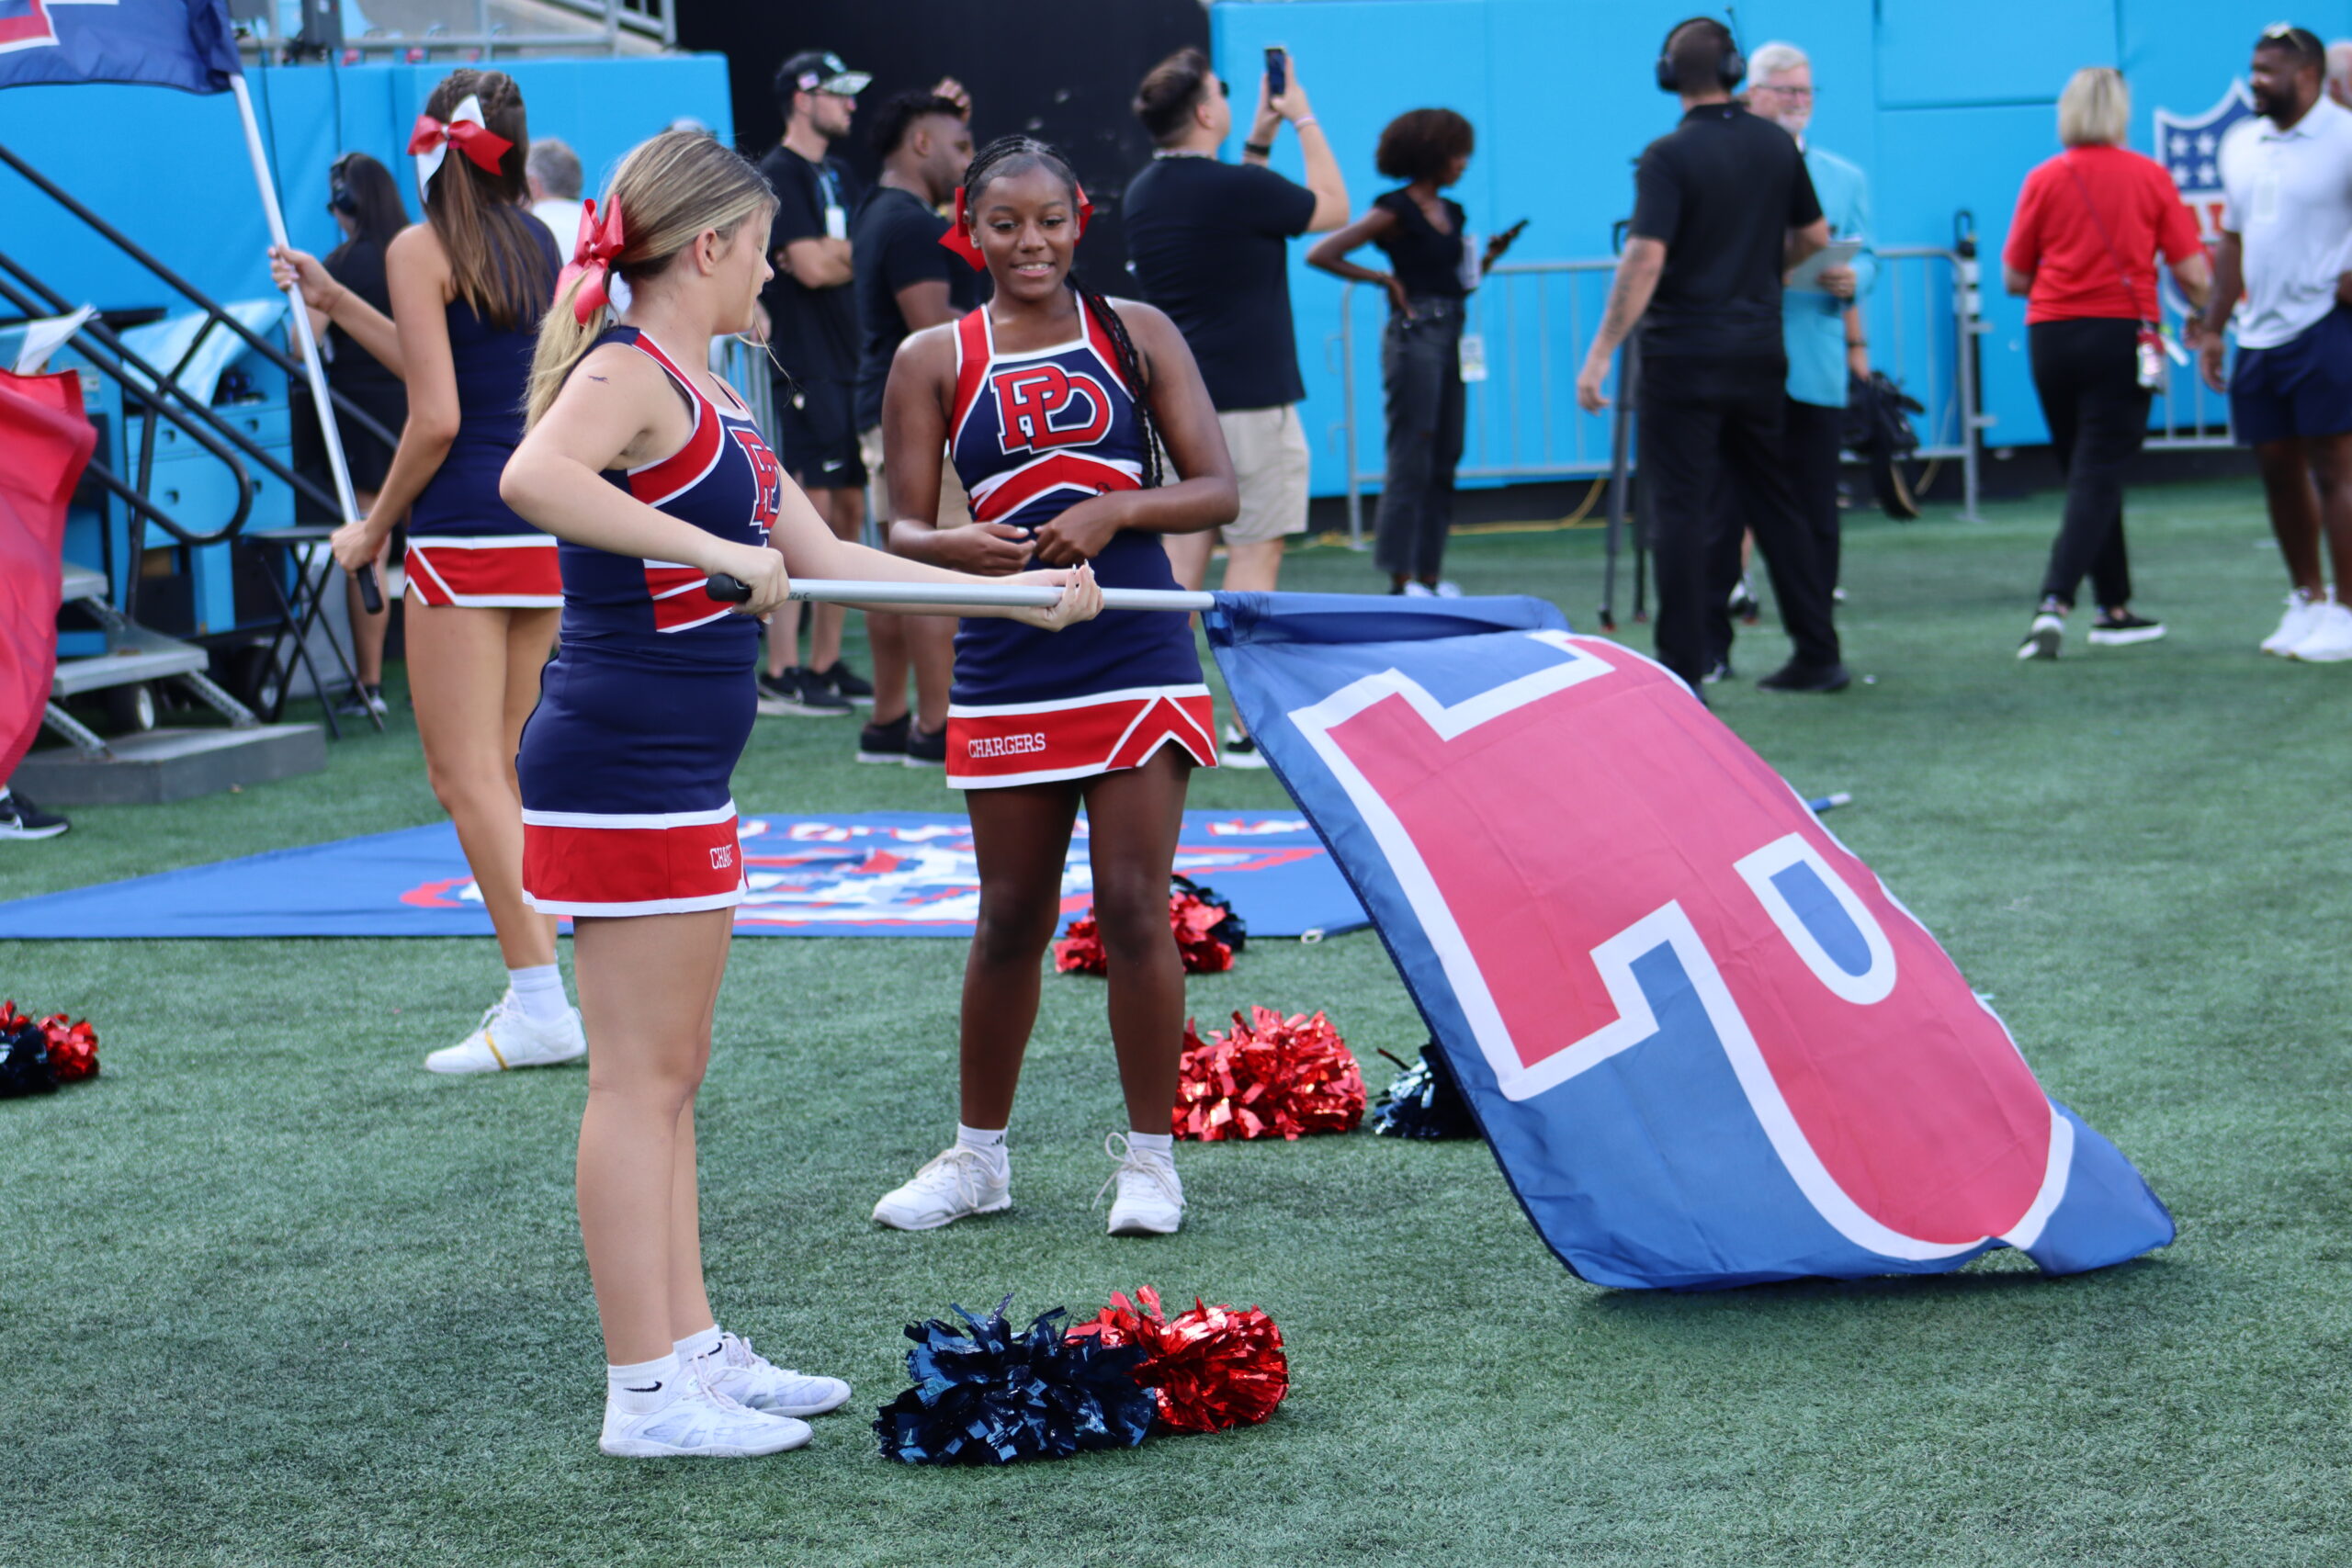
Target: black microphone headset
1731	65
339	198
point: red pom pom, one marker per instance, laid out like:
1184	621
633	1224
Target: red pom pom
1210	1368
1272	1076
10	1018
73	1048
1080	951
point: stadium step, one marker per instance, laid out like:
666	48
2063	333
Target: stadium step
149	766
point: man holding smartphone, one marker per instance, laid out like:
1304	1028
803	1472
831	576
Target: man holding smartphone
1208	242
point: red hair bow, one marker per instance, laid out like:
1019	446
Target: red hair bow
593	254
958	238
431	141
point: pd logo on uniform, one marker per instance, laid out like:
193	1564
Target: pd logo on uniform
1707	1045
1040	407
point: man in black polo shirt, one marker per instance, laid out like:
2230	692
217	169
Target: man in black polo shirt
1208	242
906	282
812	326
1722	207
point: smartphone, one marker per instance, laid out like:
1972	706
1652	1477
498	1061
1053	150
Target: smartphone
1277	70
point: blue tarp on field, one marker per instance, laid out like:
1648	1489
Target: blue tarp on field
879	874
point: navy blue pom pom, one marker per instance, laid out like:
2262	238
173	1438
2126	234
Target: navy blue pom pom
1424	1102
986	1394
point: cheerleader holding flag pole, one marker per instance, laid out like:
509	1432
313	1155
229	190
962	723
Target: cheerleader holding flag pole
1053	403
467	286
650	472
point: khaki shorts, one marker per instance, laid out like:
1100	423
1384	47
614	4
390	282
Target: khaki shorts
1269	447
955	511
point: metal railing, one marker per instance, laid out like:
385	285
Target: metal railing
608	22
1522	422
2190	415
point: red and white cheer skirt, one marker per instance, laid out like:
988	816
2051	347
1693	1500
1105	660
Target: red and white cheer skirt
995	745
580	863
489	571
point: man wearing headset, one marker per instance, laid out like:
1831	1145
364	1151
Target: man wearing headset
1722	207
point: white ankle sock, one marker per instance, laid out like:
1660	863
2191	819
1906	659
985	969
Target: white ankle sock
1163	1144
702	1344
647	1385
986	1143
540	991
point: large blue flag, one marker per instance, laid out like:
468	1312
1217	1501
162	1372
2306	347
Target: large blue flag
1707	1046
186	44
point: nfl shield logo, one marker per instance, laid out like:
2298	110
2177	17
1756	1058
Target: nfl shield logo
2189	147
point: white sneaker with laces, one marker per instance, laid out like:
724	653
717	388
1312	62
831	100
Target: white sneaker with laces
702	1422
2297	623
1151	1198
956	1185
2330	641
509	1039
750	1380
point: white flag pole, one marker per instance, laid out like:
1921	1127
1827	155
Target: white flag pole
312	369
818	591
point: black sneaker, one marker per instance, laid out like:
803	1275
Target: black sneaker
884	742
20	819
1717	672
361	701
1795	677
2121	628
1743	600
802	692
1239	750
926	750
844	681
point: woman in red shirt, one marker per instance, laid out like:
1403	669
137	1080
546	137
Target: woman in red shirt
2083	247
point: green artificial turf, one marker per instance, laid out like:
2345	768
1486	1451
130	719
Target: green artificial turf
270	1294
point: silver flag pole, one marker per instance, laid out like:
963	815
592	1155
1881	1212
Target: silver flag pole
819	590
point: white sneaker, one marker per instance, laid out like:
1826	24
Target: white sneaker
701	1422
2299	621
1151	1198
1449	590
954	1186
750	1380
2042	638
1239	750
1415	588
509	1038
2330	641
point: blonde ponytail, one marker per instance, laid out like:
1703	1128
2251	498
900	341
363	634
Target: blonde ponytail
680	185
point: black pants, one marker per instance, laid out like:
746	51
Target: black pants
2087	376
1711	430
1810	442
1420	366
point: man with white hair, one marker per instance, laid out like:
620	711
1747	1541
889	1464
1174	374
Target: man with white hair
1814	327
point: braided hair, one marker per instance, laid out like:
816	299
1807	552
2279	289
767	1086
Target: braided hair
1009	156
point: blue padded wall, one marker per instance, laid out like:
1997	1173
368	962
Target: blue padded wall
1946	105
170	169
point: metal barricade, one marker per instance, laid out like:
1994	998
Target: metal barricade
1534	320
2189	413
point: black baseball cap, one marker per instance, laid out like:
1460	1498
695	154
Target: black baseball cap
819	71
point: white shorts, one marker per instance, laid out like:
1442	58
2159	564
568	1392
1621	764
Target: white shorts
1269	448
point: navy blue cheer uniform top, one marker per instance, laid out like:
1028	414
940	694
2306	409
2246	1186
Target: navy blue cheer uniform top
626	762
1032	435
466	547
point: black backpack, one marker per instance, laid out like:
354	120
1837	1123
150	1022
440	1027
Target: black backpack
1878	430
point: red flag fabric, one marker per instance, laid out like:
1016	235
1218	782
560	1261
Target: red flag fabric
45	443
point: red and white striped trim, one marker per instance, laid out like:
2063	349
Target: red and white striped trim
990	747
492	571
1002	494
654	483
581	863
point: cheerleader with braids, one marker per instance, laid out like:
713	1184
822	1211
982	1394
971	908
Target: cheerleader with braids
652	473
1053	403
